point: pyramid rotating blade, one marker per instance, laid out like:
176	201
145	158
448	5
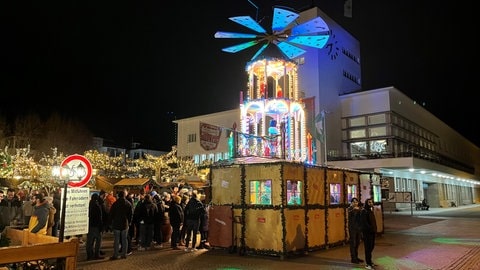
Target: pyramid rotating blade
233	35
239	47
312	41
248	22
314	26
259	51
290	50
282	18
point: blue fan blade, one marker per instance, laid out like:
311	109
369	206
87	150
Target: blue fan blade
316	25
239	47
282	18
249	23
233	35
311	41
260	51
289	50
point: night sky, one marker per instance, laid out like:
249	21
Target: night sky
127	68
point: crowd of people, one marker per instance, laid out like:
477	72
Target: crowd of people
362	226
138	221
35	210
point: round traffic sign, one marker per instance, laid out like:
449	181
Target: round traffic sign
78	169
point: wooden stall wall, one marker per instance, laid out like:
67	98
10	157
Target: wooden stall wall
315	193
264	231
351	178
315	178
226	185
295	215
316	229
263	224
335	211
295	238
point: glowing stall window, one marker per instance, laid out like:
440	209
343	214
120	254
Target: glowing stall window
352	192
261	192
335	193
294	192
377	193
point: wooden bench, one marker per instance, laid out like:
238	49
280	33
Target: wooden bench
27	246
419	206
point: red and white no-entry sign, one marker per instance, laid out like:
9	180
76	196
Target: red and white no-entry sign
77	169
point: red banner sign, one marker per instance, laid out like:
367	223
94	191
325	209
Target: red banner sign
209	136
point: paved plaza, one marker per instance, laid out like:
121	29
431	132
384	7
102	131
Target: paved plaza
412	240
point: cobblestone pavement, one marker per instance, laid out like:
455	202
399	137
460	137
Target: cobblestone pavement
409	242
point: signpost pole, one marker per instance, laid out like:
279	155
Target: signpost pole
61	234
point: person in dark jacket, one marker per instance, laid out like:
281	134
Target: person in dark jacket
95	228
354	229
10	209
136	219
147	214
193	211
183	229
56	218
204	224
159	221
175	212
369	227
131	226
121	215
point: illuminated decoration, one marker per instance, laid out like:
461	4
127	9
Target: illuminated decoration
286	35
273	114
273	118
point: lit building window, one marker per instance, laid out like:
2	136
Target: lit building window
358	148
378	146
335	193
359	133
294	192
261	192
377	119
377	193
352	192
357	122
377	131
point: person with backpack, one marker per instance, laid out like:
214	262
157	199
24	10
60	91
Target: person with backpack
193	211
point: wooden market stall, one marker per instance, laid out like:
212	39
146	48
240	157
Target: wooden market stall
275	207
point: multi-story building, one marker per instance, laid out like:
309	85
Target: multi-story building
380	130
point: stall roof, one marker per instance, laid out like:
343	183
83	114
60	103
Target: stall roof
132	182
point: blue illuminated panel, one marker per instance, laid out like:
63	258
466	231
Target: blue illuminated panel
248	22
282	18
